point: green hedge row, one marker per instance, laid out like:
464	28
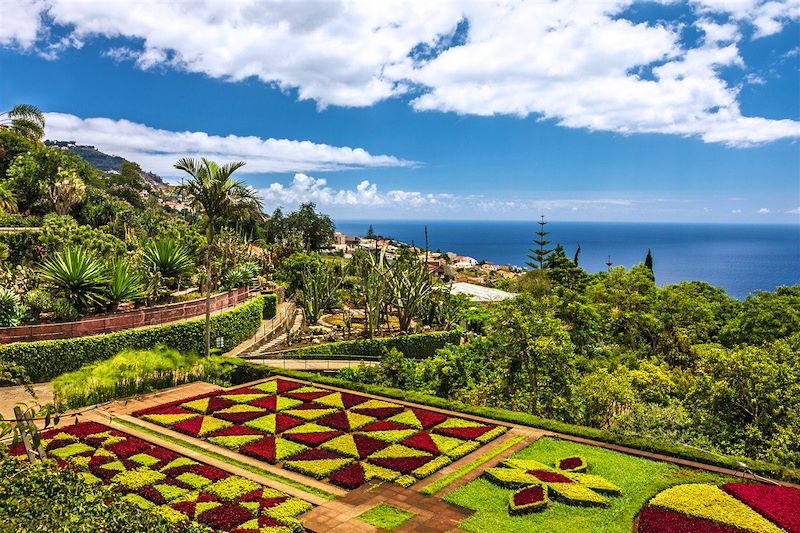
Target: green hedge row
270	306
418	346
44	360
524	419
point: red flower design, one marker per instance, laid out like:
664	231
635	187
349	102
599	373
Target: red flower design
404	465
384	425
225	517
337	420
422	441
268	402
367	445
529	495
349	477
464	433
128	447
263	449
779	504
428	419
380	412
549	477
312	439
654	520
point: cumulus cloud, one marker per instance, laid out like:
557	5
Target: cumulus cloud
763	211
795	211
580	64
304	188
157	149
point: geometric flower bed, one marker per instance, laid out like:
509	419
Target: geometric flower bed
169	484
345	438
703	508
539	484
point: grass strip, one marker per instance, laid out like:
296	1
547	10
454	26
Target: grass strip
233	462
452	477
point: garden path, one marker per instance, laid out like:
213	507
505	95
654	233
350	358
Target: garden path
11	396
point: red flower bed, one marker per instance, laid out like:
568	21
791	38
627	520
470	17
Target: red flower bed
549	477
312	439
779	504
428	419
349	477
337	420
80	430
571	463
464	433
240	418
350	400
422	441
217	404
285	386
157	409
307	396
263	449
404	465
265	403
225	517
314	455
129	447
529	499
654	520
367	445
384	425
284	423
235	431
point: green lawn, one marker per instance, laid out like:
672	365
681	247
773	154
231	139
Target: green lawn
386	517
639	479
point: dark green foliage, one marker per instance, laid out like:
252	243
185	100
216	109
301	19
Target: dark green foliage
270	306
10	310
765	317
76	275
316	229
540	253
648	261
42	498
45	360
417	346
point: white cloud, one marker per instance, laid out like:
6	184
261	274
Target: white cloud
763	211
795	211
21	22
736	211
574	62
304	188
157	149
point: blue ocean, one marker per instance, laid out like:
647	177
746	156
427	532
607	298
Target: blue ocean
739	258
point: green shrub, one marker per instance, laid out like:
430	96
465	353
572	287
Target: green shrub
45	360
38	301
64	311
270	306
135	372
419	346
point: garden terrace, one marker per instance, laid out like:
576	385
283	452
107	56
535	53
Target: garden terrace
344	438
169	483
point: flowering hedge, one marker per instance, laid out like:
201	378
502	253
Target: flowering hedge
323	433
175	487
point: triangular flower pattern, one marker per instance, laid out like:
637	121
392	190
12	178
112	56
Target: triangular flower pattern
343	437
537	485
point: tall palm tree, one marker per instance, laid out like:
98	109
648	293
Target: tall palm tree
212	192
25	119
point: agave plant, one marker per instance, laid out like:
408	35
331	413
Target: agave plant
168	258
10	309
125	284
76	275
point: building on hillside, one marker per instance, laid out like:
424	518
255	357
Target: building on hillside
463	261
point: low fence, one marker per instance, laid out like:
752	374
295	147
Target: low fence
152	316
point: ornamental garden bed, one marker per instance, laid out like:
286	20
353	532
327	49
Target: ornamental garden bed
347	439
733	507
169	484
563	487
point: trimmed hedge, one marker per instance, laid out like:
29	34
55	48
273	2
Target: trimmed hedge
44	360
270	306
418	346
525	419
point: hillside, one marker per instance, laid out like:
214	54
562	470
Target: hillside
103	161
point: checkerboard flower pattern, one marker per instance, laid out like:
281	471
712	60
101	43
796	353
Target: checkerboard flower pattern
345	438
169	484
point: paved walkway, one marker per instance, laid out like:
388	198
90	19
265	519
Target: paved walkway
11	396
313	364
271	345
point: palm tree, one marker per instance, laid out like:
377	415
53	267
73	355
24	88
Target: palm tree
7	200
212	192
25	119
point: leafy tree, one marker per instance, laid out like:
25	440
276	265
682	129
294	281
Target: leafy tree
604	396
290	271
76	275
24	119
564	272
764	317
13	144
67	191
540	253
530	339
316	229
62	232
215	194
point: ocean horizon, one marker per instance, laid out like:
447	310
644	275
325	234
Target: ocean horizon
740	258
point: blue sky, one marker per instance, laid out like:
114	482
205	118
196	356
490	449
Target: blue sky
581	111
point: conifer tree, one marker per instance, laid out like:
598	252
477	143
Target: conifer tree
540	253
577	253
648	261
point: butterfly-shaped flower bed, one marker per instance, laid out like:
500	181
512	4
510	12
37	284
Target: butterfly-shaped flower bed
345	438
169	484
538	484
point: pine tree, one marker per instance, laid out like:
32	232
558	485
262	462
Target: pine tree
371	232
609	263
648	261
577	253
540	253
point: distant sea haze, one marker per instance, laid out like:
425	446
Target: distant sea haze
736	257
